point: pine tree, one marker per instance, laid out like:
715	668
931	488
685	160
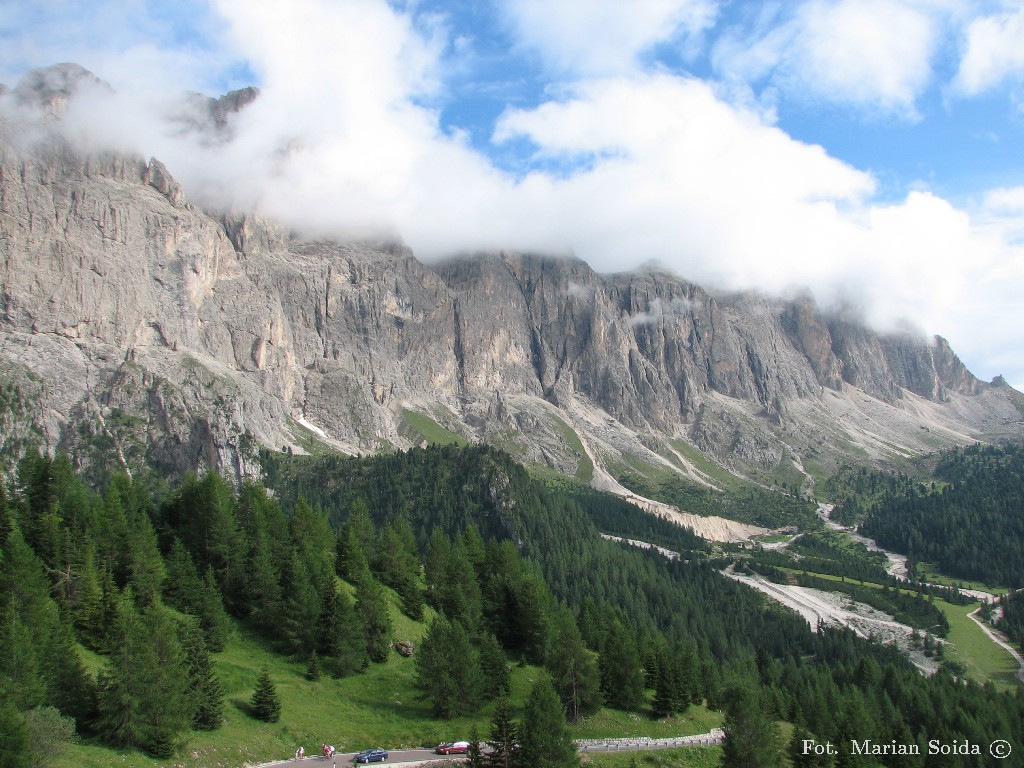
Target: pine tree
504	741
751	740
264	703
622	678
21	675
340	637
314	542
664	689
15	740
300	609
355	539
497	679
372	609
146	571
475	754
6	515
71	689
182	581
143	694
204	687
87	610
313	669
545	739
800	755
351	563
448	669
573	667
209	609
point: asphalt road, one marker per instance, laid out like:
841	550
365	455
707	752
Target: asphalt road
407	756
395	757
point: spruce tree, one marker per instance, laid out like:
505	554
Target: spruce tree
300	609
313	669
209	609
204	686
805	758
372	609
573	667
355	538
497	680
146	570
751	740
264	703
504	741
314	542
622	678
448	669
87	611
144	699
665	695
21	674
340	637
545	739
15	740
475	753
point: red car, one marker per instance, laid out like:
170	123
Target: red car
452	748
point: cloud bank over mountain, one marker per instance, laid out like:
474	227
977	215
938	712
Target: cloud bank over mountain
625	150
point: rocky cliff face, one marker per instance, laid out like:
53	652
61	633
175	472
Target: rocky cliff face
143	325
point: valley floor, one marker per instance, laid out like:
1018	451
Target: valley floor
830	608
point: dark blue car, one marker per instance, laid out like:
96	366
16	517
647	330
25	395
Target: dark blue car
371	756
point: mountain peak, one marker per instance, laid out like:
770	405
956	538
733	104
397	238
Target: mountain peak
52	87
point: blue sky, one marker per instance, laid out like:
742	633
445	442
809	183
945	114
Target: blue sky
872	150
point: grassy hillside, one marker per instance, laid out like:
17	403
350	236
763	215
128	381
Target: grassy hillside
380	707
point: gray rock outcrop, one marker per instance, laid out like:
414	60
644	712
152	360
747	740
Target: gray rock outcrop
188	339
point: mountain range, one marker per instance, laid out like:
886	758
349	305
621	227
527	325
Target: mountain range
139	324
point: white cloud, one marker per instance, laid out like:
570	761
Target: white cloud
602	37
993	52
871	54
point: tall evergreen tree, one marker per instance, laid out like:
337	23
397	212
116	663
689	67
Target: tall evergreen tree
448	669
15	740
454	585
265	704
144	564
204	687
144	699
573	667
340	637
300	609
202	513
372	609
751	740
21	674
622	678
87	609
497	680
314	542
313	669
504	741
356	538
544	736
475	754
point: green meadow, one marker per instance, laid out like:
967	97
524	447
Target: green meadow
380	707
